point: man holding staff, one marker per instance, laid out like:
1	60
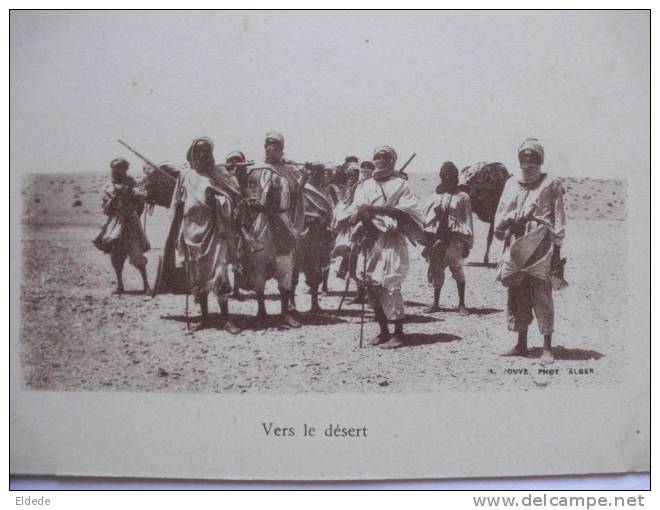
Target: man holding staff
206	244
386	216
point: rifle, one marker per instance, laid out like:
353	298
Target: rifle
438	249
152	165
401	171
253	245
239	163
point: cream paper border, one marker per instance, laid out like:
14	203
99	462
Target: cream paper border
410	436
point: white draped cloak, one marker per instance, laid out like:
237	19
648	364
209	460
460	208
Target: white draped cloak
204	243
543	201
387	263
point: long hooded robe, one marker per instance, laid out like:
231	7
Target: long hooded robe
206	243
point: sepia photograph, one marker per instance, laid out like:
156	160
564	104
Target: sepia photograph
329	244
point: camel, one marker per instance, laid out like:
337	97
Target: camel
484	183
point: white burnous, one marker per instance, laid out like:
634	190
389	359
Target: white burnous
530	219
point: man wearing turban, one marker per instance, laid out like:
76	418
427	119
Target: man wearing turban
366	170
234	160
234	163
530	202
448	234
206	243
284	180
123	204
386	217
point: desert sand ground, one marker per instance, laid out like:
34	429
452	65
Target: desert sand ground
77	335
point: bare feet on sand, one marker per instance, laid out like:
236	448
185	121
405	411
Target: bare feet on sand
205	324
546	356
380	339
289	322
230	327
393	343
517	351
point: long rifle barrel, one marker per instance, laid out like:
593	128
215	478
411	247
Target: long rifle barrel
152	165
401	170
244	163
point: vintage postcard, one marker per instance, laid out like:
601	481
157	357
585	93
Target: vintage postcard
329	245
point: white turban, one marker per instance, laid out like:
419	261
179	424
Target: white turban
533	145
387	149
275	136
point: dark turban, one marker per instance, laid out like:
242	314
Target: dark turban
448	169
119	164
448	178
200	152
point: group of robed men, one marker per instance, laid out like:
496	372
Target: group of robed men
374	220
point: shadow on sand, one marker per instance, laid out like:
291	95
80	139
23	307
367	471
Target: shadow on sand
368	314
338	293
300	291
350	312
415	339
472	311
132	293
490	265
420	319
415	303
252	323
562	353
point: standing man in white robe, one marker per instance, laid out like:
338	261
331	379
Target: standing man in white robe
389	217
206	244
531	201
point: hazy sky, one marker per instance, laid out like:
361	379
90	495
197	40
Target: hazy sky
461	86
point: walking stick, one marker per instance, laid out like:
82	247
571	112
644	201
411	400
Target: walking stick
343	297
364	278
186	265
187	316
